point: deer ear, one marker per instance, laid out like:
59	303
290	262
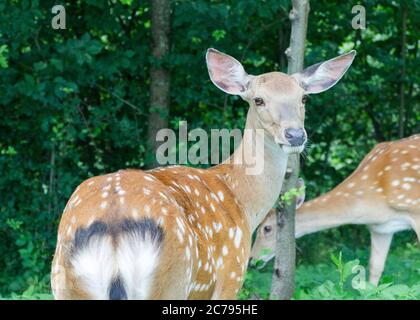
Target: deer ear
300	199
227	73
322	76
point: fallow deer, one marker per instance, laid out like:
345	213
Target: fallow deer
383	193
184	233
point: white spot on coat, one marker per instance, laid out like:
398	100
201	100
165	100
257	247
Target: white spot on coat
221	196
225	250
238	237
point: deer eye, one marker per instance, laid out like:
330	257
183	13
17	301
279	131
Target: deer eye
304	99
259	101
267	229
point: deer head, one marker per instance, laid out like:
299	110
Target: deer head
277	100
266	234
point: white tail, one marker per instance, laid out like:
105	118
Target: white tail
179	232
382	193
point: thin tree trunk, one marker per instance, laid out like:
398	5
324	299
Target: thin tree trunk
51	184
285	250
159	76
401	122
52	187
411	104
377	127
282	46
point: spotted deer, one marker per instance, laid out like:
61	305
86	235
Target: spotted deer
184	233
383	193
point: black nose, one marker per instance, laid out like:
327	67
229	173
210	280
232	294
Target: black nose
296	137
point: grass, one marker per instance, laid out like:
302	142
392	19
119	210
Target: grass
346	279
339	272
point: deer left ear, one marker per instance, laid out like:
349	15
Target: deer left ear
322	76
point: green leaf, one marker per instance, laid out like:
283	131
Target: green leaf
3	56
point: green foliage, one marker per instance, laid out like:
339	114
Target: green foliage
3	57
339	279
291	194
29	294
74	102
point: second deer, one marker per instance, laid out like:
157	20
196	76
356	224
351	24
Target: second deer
383	193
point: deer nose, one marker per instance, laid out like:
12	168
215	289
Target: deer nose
296	137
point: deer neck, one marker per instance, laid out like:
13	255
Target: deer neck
255	171
327	212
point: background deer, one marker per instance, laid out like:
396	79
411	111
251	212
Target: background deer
382	193
179	232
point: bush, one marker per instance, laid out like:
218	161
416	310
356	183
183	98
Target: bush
343	280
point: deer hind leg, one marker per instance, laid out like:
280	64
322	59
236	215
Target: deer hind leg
60	275
228	291
380	243
416	227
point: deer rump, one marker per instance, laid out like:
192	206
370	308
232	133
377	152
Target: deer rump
116	261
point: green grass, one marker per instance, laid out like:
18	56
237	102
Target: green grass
330	279
338	278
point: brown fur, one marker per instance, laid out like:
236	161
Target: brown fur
234	202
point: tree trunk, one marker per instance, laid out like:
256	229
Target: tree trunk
159	76
401	121
285	250
51	184
282	42
377	127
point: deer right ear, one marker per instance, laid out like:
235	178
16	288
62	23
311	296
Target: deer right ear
227	73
